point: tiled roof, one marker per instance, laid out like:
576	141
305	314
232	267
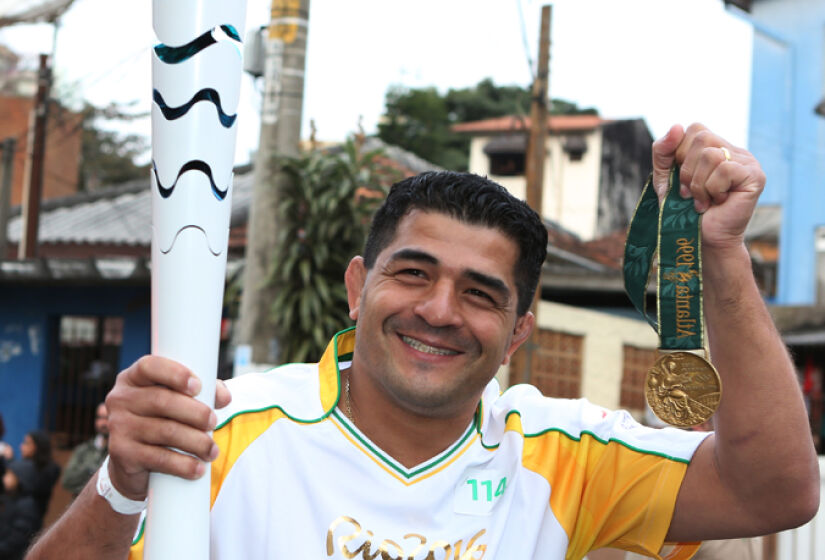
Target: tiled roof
601	255
513	122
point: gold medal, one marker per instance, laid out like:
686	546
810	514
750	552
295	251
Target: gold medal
683	388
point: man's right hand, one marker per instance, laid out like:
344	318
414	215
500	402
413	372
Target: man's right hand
152	408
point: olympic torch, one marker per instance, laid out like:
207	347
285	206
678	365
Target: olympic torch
196	72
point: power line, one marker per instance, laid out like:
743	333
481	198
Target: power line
525	42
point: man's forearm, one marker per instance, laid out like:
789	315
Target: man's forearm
763	450
89	529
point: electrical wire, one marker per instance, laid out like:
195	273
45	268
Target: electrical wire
525	42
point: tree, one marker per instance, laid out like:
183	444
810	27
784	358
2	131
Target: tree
324	215
108	157
420	120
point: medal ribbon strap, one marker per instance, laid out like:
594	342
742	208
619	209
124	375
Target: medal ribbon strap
679	289
639	249
675	233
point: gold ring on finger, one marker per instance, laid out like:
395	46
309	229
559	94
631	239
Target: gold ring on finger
725	152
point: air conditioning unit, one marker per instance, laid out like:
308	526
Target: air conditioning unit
254	51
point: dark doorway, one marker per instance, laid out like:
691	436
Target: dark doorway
81	375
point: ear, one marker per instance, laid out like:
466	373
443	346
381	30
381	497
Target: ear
354	278
521	332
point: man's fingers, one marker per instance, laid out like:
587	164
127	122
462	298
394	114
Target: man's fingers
222	395
162	433
712	162
159	402
664	154
155	370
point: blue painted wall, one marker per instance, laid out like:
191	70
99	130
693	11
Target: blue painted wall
785	134
26	315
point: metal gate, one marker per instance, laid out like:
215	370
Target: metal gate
87	357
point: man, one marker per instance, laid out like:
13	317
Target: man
88	456
398	443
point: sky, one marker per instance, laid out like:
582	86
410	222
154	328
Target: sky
666	61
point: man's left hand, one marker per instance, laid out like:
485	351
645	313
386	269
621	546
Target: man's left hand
724	190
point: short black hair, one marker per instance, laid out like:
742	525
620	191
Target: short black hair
42	448
471	199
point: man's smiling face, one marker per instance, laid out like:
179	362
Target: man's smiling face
436	314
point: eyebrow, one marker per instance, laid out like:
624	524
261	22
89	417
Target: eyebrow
413	255
490	282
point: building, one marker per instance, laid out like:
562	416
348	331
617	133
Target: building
15	79
63	143
787	136
593	172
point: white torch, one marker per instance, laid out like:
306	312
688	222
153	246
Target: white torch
196	72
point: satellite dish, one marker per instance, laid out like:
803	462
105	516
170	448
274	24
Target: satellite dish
32	11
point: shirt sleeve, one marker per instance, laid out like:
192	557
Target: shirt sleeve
613	481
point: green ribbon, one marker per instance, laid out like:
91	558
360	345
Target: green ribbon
674	232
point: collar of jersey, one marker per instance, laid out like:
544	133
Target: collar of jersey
338	356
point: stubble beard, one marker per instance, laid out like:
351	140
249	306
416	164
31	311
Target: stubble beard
424	390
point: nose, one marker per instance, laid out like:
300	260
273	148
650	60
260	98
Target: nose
439	307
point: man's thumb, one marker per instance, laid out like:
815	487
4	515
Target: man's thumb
664	154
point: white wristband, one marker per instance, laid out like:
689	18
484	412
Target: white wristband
118	501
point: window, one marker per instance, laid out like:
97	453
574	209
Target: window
556	364
508	165
637	361
506	153
575	146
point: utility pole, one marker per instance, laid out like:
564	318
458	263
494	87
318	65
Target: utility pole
8	147
280	133
536	152
35	158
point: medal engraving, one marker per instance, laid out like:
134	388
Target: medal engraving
683	389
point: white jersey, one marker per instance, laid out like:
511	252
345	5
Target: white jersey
530	478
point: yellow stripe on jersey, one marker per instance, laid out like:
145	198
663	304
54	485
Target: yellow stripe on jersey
600	491
136	550
234	437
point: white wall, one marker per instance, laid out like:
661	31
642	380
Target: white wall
571	188
806	542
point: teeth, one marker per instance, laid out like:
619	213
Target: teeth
421	347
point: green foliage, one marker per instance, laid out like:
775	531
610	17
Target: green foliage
487	100
107	157
420	120
324	211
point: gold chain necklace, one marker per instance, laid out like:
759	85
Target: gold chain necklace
347	402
